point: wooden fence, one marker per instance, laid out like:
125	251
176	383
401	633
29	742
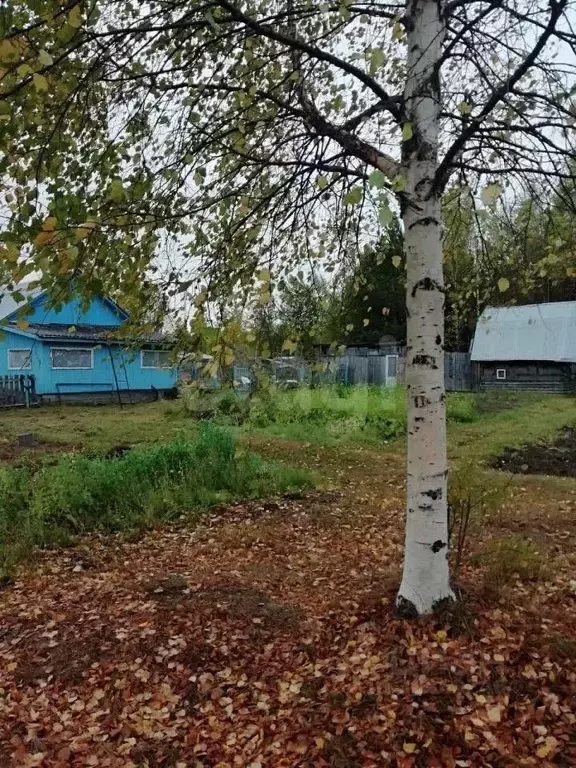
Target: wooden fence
17	390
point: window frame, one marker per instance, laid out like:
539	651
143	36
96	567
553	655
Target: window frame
70	367
153	367
20	349
501	371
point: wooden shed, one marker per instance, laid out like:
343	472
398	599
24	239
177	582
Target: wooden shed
530	347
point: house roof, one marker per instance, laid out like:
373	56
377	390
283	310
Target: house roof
8	304
79	332
534	332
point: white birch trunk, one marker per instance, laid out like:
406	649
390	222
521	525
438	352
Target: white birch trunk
425	581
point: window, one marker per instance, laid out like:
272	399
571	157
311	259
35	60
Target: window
501	374
155	358
71	357
19	359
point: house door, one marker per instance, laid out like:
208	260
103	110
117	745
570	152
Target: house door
391	370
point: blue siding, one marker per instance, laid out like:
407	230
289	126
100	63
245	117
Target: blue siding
129	370
100	312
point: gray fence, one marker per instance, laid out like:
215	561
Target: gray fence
384	369
19	389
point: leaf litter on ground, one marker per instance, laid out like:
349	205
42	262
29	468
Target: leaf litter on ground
266	636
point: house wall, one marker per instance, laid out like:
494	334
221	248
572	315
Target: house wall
99	312
99	379
557	378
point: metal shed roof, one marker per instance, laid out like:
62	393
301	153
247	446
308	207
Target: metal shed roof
535	332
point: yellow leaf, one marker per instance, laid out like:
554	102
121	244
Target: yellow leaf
494	714
503	284
12	666
396	261
22	324
365	322
409	748
9	51
50	224
75	17
319	742
549	746
84	230
40	82
43	238
264	275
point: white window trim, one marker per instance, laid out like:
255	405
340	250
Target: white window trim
72	368
153	367
500	371
20	349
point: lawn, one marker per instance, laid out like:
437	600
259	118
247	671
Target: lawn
264	634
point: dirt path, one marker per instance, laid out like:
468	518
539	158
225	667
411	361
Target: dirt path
266	637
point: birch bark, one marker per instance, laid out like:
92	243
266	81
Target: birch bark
425	580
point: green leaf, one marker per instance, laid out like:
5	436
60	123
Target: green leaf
40	82
465	108
399	183
116	191
353	197
376	58
377	179
75	17
491	193
407	131
396	260
385	215
321	182
503	284
44	58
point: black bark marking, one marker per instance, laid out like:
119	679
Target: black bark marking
425	507
438	545
438	340
405	608
425	360
434	494
426	284
420	401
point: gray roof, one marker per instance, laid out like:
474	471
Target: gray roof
7	302
535	332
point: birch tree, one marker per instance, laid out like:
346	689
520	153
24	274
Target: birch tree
255	135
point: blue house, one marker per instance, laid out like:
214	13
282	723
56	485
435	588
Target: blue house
72	352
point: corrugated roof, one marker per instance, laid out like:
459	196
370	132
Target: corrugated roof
536	332
81	332
7	302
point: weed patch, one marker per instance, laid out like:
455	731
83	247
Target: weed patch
513	558
131	491
369	414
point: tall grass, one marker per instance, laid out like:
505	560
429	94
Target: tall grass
148	485
325	414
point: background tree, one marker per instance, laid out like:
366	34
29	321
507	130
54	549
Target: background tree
264	134
374	297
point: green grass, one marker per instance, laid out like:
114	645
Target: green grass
138	490
325	415
510	421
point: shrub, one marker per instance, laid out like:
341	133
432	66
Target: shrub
470	500
513	558
135	490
